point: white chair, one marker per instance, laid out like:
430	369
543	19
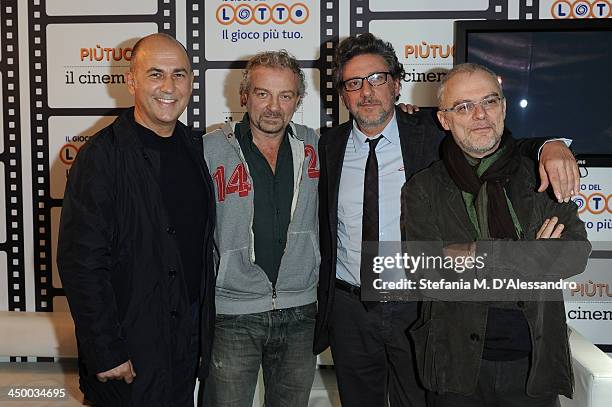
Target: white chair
592	374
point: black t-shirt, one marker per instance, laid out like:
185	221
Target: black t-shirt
184	196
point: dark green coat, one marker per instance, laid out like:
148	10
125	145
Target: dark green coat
449	336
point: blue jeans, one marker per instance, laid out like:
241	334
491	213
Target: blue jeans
279	341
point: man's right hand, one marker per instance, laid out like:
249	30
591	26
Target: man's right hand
124	371
550	229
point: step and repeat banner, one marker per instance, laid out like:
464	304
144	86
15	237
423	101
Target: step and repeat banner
62	78
589	305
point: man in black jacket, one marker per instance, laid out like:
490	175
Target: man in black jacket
372	354
478	350
135	244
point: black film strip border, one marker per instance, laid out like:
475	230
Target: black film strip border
361	16
529	10
330	26
196	111
11	157
43	203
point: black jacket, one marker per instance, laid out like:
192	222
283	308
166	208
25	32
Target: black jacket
449	337
117	258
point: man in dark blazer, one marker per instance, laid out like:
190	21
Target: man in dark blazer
372	354
136	242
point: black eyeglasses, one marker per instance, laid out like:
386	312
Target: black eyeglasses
375	79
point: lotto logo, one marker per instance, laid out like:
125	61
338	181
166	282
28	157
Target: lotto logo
262	13
594	203
68	153
563	9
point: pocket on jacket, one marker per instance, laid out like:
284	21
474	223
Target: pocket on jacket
238	278
425	353
314	237
222	268
230	263
301	261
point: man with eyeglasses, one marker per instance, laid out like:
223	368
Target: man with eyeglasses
364	163
509	349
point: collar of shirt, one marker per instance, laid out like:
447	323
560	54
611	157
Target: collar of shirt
390	133
150	139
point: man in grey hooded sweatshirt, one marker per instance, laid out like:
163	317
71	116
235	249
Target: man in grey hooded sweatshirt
266	175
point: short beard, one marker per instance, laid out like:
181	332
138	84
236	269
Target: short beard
473	150
363	122
268	127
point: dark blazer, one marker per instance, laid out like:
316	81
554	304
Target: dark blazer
116	256
420	138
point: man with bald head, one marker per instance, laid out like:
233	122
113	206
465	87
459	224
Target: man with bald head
135	243
480	200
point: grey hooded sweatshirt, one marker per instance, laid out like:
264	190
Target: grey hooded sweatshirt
242	286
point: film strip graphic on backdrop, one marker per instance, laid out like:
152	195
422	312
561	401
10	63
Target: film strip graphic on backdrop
221	36
529	9
11	224
78	57
365	11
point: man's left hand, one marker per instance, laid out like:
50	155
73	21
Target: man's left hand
558	168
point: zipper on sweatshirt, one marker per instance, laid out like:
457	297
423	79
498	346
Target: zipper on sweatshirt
273	297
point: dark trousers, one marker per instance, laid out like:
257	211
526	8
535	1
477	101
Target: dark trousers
373	355
500	384
185	367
